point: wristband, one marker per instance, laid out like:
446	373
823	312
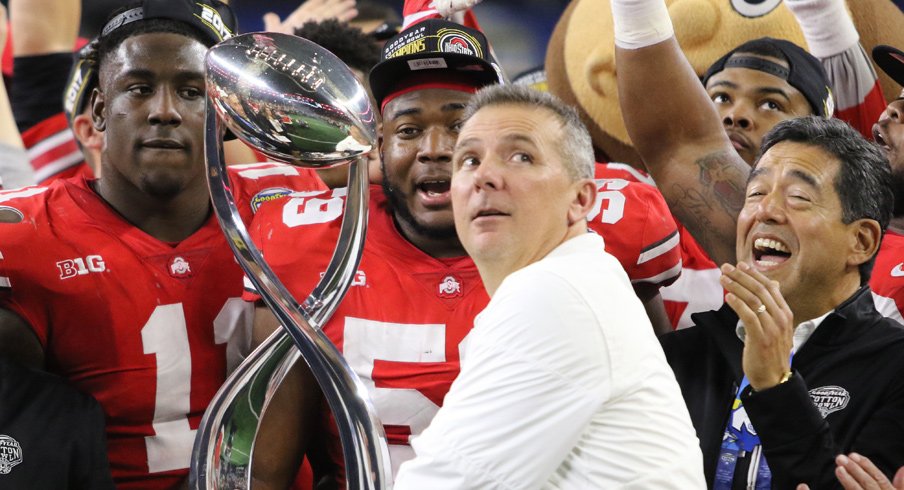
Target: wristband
641	23
827	27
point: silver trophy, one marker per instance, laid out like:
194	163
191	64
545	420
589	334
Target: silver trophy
298	103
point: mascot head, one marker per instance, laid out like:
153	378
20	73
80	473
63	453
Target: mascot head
580	59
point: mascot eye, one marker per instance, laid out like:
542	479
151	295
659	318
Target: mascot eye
754	8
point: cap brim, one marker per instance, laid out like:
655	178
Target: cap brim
891	61
386	75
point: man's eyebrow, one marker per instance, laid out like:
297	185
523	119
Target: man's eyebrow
406	112
797	174
723	83
774	91
453	106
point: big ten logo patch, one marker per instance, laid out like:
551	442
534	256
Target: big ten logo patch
80	266
455	41
212	19
10	454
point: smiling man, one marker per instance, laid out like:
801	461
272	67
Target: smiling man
798	365
562	383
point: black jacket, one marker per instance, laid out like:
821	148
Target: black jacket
852	368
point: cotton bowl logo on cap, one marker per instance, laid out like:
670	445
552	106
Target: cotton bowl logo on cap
455	41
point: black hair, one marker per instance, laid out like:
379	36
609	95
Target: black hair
349	44
863	184
368	10
108	44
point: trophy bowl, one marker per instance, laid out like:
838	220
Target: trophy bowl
291	99
297	103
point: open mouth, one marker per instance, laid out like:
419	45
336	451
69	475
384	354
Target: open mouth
768	252
880	139
434	188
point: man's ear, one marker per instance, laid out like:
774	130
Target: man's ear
84	130
97	109
583	202
866	235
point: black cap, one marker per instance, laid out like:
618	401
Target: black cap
804	71
891	60
214	19
434	45
81	82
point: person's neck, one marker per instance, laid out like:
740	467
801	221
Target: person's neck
170	220
434	246
494	269
817	305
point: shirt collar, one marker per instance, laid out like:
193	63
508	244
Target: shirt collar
802	332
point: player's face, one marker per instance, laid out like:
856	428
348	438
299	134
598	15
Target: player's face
889	134
511	191
791	228
751	102
419	133
151	110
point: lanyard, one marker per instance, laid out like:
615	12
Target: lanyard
739	439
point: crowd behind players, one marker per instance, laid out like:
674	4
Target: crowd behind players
121	310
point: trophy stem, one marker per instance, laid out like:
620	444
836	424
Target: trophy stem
224	444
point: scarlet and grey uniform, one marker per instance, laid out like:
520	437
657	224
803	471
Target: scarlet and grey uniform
140	324
402	321
887	278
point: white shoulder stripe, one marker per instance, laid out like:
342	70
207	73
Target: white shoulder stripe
4	282
660	249
661	277
18	193
58	165
50	143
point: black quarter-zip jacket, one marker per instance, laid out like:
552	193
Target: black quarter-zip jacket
851	369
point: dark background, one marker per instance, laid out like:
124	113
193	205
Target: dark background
518	29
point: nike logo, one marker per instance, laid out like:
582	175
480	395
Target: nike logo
898	270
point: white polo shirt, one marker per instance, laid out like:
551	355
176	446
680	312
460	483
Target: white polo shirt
563	385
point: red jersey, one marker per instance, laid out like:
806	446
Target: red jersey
887	279
638	230
141	325
53	151
401	322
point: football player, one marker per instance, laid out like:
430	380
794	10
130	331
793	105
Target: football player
125	285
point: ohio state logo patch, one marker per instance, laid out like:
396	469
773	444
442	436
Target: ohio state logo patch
449	287
179	267
455	41
10	454
829	399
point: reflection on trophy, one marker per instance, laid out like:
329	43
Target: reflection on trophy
295	102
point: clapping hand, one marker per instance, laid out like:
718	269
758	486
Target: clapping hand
856	472
768	322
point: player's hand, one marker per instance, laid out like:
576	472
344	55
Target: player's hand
448	7
856	472
768	322
311	11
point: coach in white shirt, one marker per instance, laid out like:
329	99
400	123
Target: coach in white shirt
563	383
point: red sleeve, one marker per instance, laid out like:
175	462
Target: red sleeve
254	184
638	229
415	11
53	151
